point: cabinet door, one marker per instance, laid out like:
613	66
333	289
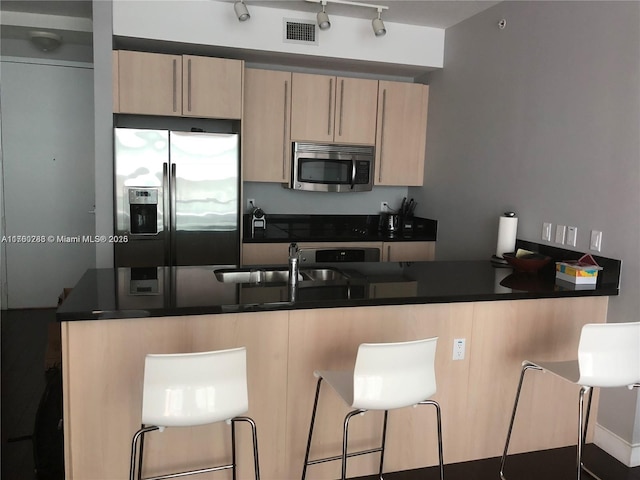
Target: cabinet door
265	254
212	87
266	125
356	107
402	133
408	251
312	107
149	83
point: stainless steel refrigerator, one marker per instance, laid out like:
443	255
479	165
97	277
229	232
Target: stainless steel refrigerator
176	198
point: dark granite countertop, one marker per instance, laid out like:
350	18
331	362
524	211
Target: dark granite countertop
167	291
335	228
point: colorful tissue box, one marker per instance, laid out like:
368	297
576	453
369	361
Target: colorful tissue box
583	271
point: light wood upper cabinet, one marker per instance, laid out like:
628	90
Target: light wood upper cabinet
333	109
266	125
149	83
312	107
401	133
212	87
178	85
356	106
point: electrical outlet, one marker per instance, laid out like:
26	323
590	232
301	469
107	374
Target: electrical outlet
384	206
251	203
596	240
546	232
458	348
560	231
572	234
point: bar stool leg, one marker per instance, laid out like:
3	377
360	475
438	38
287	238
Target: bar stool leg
525	366
313	419
581	429
138	436
345	439
439	428
254	434
384	440
233	450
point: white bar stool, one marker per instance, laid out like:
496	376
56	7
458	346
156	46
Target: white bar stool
189	389
608	356
385	376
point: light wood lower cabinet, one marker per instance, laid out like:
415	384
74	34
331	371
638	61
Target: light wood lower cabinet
103	364
408	251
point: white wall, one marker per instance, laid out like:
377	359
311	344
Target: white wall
207	22
542	118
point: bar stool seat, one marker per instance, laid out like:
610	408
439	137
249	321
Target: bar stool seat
386	376
608	356
189	389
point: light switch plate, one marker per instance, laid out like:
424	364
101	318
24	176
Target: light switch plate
546	231
560	231
596	240
572	234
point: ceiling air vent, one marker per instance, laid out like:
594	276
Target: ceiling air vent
300	31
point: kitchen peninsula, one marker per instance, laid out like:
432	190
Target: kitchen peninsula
114	317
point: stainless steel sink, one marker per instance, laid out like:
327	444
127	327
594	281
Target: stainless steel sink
253	275
276	275
323	274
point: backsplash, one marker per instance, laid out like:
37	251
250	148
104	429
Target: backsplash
272	198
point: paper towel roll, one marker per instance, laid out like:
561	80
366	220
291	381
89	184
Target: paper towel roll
507	229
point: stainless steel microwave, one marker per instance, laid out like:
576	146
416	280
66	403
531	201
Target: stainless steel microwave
332	168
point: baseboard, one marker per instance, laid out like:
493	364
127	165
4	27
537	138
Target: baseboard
618	448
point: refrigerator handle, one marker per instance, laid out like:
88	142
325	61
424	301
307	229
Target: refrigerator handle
165	212
172	195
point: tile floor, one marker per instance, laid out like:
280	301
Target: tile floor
24	340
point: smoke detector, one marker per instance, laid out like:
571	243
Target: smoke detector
45	41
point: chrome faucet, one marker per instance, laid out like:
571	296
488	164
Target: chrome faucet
294	268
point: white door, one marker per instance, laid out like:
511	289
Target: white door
48	166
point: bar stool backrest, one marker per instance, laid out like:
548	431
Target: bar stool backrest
189	389
394	375
609	354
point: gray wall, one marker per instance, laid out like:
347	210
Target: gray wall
542	118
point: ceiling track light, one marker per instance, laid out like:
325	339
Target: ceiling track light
378	25
241	11
323	18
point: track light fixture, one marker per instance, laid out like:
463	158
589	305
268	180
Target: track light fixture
378	25
241	11
323	18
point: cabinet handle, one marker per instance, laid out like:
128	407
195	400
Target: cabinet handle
330	98
189	84
388	253
341	105
175	85
284	131
384	107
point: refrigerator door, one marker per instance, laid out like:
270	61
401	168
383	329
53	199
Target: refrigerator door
141	201
204	206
